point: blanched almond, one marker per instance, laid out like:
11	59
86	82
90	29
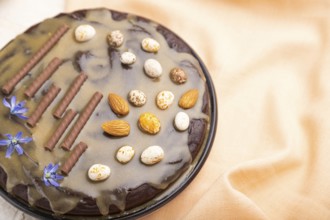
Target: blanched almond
152	155
164	99
137	98
125	154
152	68
181	121
84	32
98	172
150	45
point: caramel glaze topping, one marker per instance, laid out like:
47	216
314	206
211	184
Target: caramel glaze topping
106	74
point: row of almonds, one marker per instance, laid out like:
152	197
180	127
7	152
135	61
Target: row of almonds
147	122
151	155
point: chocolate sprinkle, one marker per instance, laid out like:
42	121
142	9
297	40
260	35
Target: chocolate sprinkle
71	93
43	105
73	158
81	121
66	121
45	75
10	85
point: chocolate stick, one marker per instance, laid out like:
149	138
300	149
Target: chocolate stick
73	158
81	121
45	75
43	105
45	48
71	93
66	121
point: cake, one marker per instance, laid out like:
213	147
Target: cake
103	114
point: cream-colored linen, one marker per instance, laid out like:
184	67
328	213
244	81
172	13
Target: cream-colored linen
270	63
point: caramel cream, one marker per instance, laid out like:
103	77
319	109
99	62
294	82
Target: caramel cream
105	74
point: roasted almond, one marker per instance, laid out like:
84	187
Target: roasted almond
116	128
149	123
118	105
189	99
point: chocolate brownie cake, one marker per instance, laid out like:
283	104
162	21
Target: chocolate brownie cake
103	113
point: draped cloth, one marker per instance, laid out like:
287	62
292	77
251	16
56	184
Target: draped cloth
270	64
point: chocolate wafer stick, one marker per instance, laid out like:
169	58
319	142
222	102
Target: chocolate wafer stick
81	121
73	158
46	47
41	79
71	93
43	105
66	121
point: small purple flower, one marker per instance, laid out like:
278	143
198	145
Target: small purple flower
16	109
14	143
50	176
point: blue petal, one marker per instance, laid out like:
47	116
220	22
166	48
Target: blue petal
59	177
19	149
21	104
4	142
25	140
18	110
46	182
9	136
21	116
18	135
5	103
53	182
13	101
10	151
48	168
54	169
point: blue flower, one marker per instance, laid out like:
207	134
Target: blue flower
16	109
50	176
14	143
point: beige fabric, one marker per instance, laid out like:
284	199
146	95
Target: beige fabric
270	62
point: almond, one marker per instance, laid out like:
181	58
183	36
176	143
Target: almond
84	33
149	123
178	75
150	45
164	99
181	121
125	154
152	155
115	38
118	105
99	172
189	99
117	128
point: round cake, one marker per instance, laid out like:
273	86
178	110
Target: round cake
103	114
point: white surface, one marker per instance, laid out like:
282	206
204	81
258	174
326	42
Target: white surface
18	15
15	17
